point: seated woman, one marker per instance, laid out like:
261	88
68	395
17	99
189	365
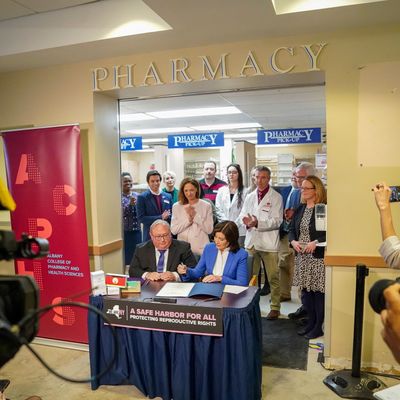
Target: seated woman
222	261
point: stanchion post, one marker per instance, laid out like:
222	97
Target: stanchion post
355	384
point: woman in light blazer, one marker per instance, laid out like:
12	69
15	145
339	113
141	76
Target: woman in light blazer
222	261
230	199
192	218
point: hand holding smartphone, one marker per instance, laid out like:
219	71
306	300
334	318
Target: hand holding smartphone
395	194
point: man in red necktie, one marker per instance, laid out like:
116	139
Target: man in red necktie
262	214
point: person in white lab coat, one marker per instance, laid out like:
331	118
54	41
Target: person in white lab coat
230	199
192	218
262	214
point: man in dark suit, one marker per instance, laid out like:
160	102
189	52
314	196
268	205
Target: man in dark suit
159	258
291	199
153	204
303	170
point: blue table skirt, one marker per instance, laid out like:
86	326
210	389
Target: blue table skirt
182	366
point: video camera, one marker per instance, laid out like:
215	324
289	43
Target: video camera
19	295
376	297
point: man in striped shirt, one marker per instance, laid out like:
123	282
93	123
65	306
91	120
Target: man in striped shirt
210	183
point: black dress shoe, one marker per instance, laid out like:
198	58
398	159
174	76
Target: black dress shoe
314	334
299	313
265	290
302	331
301	321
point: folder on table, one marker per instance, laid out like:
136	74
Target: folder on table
207	289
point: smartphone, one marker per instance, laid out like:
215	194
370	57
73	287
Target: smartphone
4	384
395	195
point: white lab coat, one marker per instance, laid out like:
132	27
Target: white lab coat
269	214
227	210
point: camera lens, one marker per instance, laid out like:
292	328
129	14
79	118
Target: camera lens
29	247
376	297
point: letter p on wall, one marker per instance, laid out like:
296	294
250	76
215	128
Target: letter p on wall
40	227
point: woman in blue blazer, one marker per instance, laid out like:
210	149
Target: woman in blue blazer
222	261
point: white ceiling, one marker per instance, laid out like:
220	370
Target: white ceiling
20	8
193	22
197	23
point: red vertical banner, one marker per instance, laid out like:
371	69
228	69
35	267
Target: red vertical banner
44	172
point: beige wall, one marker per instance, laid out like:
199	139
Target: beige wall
63	94
307	150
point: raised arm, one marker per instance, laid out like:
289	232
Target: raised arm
180	220
274	218
390	248
382	195
205	221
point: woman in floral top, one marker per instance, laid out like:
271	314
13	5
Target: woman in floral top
132	232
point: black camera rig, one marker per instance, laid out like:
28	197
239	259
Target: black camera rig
19	295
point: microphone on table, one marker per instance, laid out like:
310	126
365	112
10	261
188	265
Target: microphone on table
170	300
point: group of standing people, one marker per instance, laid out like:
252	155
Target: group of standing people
277	227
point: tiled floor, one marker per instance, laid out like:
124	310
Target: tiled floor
30	378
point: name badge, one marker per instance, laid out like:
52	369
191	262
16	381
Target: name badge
215	191
166	201
266	207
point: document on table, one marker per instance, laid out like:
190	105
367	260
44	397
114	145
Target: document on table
391	393
175	289
234	289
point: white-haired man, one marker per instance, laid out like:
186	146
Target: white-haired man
158	258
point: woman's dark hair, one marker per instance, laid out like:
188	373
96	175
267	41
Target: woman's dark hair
181	196
152	173
124	174
231	232
240	183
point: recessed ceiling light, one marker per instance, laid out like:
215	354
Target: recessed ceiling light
136	27
226	126
240	135
293	6
135	117
196	112
160	130
157	140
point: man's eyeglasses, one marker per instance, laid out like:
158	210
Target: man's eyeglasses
161	237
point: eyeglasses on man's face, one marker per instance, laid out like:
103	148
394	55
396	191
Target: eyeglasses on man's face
161	237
